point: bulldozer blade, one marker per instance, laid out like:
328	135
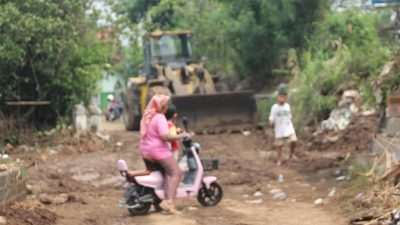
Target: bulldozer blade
218	111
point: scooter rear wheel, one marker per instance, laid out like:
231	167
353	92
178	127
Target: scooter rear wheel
143	210
211	196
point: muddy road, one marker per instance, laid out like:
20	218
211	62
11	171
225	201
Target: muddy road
94	186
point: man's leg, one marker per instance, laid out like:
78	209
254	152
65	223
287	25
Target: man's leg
293	140
278	145
292	148
279	155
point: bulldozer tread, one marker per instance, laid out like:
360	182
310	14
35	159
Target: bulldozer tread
131	121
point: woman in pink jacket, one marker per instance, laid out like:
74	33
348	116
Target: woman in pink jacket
154	146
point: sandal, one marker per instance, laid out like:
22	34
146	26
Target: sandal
168	209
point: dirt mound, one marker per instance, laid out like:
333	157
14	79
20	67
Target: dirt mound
356	137
328	149
29	212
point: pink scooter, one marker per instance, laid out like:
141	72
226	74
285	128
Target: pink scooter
145	188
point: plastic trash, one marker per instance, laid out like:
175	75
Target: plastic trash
191	208
246	133
258	193
280	178
279	195
332	193
274	191
257	201
319	201
341	178
359	196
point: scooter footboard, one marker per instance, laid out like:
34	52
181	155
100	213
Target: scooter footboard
208	180
182	192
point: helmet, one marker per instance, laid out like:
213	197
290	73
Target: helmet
110	97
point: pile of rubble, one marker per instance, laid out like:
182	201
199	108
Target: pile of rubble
348	106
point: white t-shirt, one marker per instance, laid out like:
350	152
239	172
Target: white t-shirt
281	116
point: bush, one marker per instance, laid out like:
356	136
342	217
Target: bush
346	50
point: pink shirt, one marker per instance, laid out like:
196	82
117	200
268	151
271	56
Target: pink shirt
152	145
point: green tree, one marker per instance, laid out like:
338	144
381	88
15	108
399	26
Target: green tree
49	51
247	38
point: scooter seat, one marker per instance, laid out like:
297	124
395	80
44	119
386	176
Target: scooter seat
138	173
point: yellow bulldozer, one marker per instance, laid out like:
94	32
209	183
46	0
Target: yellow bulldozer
169	69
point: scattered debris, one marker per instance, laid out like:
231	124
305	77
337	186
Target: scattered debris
368	112
359	196
246	133
341	178
118	145
51	152
280	195
337	173
191	208
258	193
274	191
332	193
319	202
280	178
257	201
395	217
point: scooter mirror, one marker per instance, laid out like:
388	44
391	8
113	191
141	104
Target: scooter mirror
185	122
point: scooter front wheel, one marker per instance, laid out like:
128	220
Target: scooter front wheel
211	196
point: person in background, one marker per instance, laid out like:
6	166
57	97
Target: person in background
154	139
171	116
114	108
281	119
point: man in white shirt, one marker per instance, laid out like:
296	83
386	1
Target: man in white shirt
281	118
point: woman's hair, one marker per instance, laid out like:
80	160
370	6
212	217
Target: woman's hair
155	106
170	112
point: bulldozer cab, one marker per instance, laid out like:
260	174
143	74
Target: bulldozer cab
167	48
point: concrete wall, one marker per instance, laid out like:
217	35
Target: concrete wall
11	188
